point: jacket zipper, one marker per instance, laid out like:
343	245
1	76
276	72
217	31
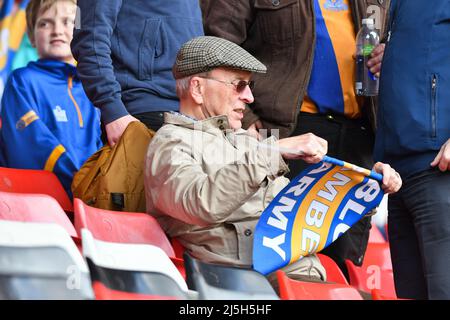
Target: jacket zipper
69	90
433	105
391	22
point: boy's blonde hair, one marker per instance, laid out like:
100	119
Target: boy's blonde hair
34	9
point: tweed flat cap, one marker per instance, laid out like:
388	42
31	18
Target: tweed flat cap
205	53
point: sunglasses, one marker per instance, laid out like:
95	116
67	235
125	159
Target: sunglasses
239	85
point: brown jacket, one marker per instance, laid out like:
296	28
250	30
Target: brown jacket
207	186
281	34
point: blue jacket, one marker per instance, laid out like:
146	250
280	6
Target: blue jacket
414	101
47	120
126	49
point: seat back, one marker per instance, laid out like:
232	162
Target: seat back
133	268
334	273
219	282
40	261
104	293
121	227
34	181
34	208
300	290
377	295
375	235
375	272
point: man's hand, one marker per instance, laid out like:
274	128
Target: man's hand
253	129
115	129
308	147
442	159
392	181
374	62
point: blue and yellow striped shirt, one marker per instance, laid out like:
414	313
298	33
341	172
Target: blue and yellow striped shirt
330	88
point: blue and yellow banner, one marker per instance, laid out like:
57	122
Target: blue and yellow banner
12	29
315	209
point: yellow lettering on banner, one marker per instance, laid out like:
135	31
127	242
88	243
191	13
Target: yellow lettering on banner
315	215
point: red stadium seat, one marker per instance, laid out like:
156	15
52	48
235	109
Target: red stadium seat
104	293
34	181
386	232
178	248
377	295
124	227
299	290
375	235
40	261
376	271
132	268
334	273
34	208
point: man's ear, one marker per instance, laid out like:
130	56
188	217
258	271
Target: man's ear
196	90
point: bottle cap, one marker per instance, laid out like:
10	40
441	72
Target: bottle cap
368	22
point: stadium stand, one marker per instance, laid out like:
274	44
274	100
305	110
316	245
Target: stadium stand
40	261
375	235
30	212
334	274
132	268
299	290
34	181
218	282
124	227
34	208
375	272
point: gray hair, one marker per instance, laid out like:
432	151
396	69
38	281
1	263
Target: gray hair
183	84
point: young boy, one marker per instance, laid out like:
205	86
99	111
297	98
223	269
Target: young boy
47	120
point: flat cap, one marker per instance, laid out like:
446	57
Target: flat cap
205	53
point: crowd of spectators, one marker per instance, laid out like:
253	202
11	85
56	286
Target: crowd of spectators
217	78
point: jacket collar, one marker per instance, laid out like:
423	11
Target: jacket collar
58	69
217	123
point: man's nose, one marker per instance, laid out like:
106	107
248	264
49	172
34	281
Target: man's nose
58	27
247	95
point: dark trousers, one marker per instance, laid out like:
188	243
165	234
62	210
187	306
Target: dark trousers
419	236
351	141
153	120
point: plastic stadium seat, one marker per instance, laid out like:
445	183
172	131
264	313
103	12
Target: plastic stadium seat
132	268
34	181
334	273
376	271
40	261
377	295
375	235
299	290
177	248
34	208
121	227
124	227
219	282
104	293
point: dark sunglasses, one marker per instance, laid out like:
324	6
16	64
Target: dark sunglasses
239	85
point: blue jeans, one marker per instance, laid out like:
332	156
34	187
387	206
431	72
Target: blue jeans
419	236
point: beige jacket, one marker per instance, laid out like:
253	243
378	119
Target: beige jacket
208	187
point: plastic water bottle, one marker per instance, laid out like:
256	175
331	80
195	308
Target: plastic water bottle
366	84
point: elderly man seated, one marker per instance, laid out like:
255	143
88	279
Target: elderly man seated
207	180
